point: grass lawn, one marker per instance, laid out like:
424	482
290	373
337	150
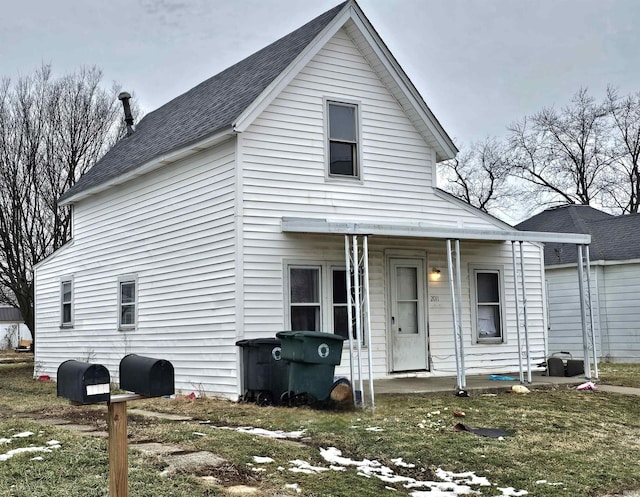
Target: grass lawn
565	443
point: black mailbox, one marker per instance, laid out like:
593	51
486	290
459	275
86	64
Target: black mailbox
146	376
83	382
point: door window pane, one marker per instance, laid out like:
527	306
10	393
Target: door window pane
408	318
407	278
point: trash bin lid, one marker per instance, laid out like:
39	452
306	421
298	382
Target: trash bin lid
309	334
254	342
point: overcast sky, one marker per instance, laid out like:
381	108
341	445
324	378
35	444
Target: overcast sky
479	65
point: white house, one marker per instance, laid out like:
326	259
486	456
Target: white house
229	213
12	328
615	281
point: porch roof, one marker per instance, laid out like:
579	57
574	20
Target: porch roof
425	230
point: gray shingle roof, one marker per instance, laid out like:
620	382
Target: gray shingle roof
206	109
10	315
613	238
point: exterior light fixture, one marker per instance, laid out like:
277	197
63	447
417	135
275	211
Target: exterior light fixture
434	275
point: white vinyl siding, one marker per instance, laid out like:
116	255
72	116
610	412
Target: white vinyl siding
174	229
615	289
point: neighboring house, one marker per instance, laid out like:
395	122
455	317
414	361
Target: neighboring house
615	281
12	328
225	216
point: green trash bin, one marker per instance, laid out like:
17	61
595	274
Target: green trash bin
313	356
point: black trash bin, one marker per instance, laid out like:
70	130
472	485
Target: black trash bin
313	356
265	376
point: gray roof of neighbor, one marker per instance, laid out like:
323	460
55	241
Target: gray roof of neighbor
10	315
613	238
206	109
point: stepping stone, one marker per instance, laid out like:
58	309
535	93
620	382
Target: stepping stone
156	449
192	463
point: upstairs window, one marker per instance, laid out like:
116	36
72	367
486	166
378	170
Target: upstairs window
66	304
127	304
343	140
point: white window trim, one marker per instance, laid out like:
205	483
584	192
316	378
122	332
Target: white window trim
132	278
327	154
473	270
64	324
326	292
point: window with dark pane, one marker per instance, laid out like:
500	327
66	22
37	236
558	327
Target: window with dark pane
67	296
343	140
489	322
304	284
127	303
340	307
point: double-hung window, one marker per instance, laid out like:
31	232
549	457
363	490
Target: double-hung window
342	133
488	289
317	299
305	295
127	304
66	303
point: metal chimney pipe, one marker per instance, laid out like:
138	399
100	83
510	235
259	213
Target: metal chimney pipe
124	97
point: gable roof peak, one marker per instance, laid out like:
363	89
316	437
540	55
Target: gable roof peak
229	102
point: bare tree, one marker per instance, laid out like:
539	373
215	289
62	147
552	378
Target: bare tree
563	155
623	187
51	131
480	175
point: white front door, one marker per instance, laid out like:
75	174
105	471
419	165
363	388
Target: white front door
408	333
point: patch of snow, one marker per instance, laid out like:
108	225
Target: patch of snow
468	477
512	492
262	460
399	462
5	440
39	458
300	466
293	486
53	442
374	428
268	433
199	434
24	434
11	453
545	482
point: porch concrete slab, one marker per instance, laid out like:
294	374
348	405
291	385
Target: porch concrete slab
476	384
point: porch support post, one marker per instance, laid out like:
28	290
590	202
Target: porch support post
591	322
583	313
356	284
515	292
454	313
347	263
365	257
459	299
524	311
